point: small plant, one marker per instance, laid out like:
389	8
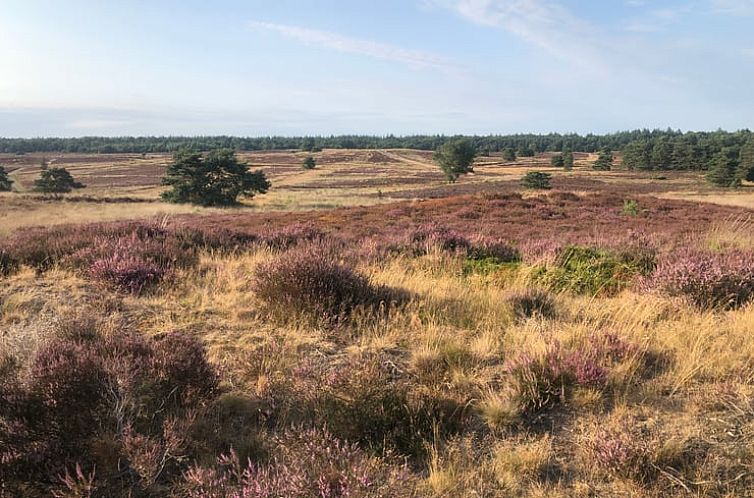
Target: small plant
127	273
56	181
631	207
291	235
536	180
557	161
9	264
309	163
425	238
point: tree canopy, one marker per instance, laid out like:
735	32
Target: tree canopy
56	181
604	161
215	179
455	158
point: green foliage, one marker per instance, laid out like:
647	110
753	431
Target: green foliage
489	266
509	154
568	159
6	184
591	271
558	161
605	161
631	207
455	159
309	163
536	180
217	179
526	152
746	161
723	169
56	181
308	144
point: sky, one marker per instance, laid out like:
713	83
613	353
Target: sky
321	67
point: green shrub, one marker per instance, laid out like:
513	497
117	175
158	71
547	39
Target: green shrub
631	207
536	180
591	271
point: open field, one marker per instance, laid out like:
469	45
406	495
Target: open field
366	330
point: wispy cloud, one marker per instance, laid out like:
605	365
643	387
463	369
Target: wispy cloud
545	24
734	7
356	46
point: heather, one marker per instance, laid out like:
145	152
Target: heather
708	279
489	350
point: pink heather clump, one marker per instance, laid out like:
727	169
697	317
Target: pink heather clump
424	238
708	279
127	273
291	235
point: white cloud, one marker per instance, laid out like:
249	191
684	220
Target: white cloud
547	25
349	45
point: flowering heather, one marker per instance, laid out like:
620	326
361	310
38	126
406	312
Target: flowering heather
708	279
310	281
616	449
424	239
126	273
307	463
291	235
498	250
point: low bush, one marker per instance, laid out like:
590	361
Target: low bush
427	238
126	273
307	463
530	303
291	235
710	280
118	403
309	281
592	271
9	264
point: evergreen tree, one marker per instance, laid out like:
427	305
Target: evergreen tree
509	154
662	154
746	161
605	161
455	158
568	159
723	169
6	184
557	160
536	180
309	163
217	179
56	181
308	144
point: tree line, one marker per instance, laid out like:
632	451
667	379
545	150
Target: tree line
522	145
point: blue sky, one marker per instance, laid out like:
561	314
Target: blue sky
293	67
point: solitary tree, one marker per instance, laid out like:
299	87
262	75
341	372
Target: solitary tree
6	184
509	154
309	163
217	179
746	161
568	160
722	170
536	180
605	161
56	181
557	160
455	158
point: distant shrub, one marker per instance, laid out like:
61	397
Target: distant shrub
631	207
536	180
530	303
592	271
6	184
56	181
310	463
708	279
310	281
309	163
